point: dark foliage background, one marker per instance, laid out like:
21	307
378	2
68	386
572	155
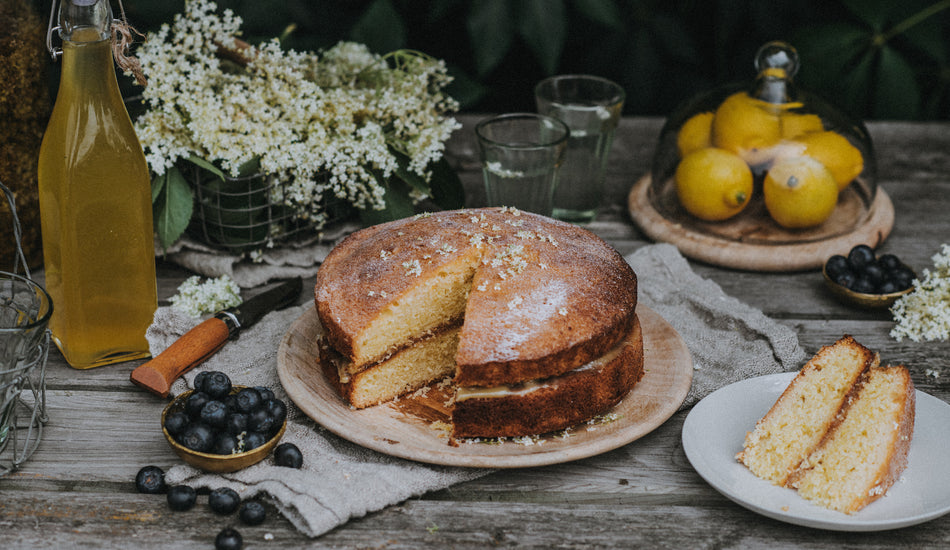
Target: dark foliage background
877	59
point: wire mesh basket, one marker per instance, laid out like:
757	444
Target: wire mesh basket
248	213
25	309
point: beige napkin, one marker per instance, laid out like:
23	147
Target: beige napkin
340	481
729	340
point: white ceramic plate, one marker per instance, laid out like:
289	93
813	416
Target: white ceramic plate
715	429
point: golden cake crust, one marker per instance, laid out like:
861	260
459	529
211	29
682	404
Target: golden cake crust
563	401
546	296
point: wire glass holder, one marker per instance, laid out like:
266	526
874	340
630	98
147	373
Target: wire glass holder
23	387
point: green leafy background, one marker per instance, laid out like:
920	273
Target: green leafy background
877	59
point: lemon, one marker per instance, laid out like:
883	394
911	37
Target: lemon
799	192
799	124
746	126
694	134
713	184
842	159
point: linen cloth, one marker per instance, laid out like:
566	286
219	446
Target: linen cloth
339	480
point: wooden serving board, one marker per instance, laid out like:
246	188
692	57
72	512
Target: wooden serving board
753	242
405	428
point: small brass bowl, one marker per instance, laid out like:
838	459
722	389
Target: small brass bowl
211	462
861	299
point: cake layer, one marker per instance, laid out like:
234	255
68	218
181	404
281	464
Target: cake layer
801	416
539	297
866	449
406	370
556	403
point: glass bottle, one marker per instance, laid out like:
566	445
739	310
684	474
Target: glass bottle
95	202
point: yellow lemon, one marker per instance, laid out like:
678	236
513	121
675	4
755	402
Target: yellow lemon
746	126
713	184
842	159
799	124
799	192
694	134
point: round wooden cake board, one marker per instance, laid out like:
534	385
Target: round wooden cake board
713	249
409	427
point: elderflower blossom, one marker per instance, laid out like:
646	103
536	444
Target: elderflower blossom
328	124
196	298
924	313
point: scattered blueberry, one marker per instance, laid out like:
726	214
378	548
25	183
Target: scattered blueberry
181	497
176	422
217	385
288	455
228	539
224	500
214	414
150	480
247	400
252	513
197	437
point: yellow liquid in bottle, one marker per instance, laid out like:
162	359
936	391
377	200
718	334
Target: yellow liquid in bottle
96	211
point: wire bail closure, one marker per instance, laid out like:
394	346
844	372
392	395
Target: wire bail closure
56	52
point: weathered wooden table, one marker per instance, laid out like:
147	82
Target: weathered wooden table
77	489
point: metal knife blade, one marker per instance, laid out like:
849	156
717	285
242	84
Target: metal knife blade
203	341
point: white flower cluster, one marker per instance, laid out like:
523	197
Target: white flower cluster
196	298
924	314
327	123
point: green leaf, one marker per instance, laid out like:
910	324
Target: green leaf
158	183
172	208
202	163
490	33
829	52
411	178
381	27
604	12
447	189
895	91
543	25
873	12
398	205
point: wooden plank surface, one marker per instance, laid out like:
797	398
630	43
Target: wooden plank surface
77	490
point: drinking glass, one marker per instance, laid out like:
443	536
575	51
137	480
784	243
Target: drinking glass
521	154
590	106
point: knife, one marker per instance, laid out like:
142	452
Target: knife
203	341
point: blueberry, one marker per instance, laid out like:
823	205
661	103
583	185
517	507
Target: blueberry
888	287
874	273
194	403
288	455
903	277
197	437
277	409
176	422
247	400
863	285
266	393
252	513
224	500
889	262
150	480
225	444
836	265
860	256
199	380
261	421
253	440
181	497
228	539
845	279
217	385
214	414
231	402
236	423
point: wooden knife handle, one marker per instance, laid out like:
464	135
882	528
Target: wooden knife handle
192	349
